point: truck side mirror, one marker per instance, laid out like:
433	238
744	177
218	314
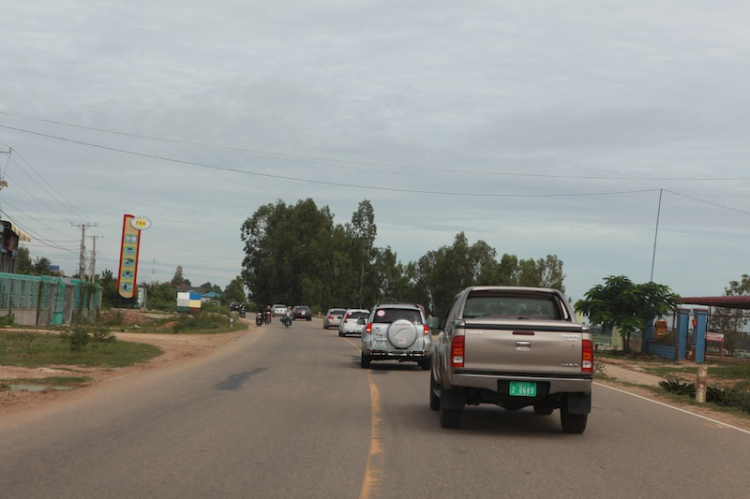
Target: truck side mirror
434	323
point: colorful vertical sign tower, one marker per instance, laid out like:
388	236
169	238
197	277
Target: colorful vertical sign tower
129	247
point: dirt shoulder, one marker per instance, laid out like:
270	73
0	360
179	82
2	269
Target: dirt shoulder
176	348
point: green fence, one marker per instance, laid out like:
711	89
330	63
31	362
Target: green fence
42	300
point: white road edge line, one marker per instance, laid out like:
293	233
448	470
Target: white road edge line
675	408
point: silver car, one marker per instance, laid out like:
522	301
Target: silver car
333	317
350	324
397	331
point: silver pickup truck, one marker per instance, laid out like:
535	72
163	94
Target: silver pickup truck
513	347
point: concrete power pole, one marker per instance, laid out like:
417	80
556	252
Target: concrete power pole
82	258
92	271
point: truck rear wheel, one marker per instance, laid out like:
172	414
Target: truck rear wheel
449	418
572	423
434	399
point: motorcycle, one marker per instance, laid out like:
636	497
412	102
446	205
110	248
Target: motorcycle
286	320
259	319
242	312
268	317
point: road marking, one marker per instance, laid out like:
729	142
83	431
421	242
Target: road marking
375	458
720	423
374	467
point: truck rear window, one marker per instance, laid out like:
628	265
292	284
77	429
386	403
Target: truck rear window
528	307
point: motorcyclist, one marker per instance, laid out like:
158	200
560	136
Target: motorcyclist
287	319
259	318
268	315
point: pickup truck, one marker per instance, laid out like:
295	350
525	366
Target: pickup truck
514	347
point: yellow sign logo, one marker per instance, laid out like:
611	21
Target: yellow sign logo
140	223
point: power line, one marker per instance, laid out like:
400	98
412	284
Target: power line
323	182
300	158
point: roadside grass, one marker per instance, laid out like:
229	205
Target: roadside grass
45	349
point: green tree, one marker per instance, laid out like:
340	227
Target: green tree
362	232
731	321
161	296
234	292
627	306
179	278
24	264
110	294
41	266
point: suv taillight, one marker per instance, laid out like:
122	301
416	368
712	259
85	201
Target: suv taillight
457	351
587	357
426	330
368	328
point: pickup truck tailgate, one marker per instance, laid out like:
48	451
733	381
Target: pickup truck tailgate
540	348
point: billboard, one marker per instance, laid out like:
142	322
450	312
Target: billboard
129	247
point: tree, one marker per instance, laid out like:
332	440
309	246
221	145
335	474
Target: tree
730	321
627	306
234	292
179	278
24	264
362	232
41	266
110	294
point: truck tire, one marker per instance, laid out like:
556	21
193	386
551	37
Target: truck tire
572	423
402	334
434	399
450	418
364	362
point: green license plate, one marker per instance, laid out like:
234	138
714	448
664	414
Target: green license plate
522	389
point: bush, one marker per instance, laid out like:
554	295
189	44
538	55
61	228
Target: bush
737	397
8	320
82	334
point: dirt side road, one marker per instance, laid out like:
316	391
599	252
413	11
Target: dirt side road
176	347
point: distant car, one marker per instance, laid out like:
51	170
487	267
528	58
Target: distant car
234	305
350	322
333	317
302	312
278	309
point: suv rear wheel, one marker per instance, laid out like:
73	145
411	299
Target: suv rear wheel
364	362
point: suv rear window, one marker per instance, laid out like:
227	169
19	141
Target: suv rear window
388	315
510	306
358	315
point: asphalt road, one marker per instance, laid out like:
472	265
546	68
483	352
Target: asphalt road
288	413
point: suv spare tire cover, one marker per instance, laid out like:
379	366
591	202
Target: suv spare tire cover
402	333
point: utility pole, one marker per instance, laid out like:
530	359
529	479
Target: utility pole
92	272
82	258
656	234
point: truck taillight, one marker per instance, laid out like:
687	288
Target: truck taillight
457	351
368	328
587	357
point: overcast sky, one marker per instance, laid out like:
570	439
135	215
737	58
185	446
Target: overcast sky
541	128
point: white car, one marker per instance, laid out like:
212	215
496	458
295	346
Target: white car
278	309
350	322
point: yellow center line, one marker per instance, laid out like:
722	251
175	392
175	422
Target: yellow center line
374	467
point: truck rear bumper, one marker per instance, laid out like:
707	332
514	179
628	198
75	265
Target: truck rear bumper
486	382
